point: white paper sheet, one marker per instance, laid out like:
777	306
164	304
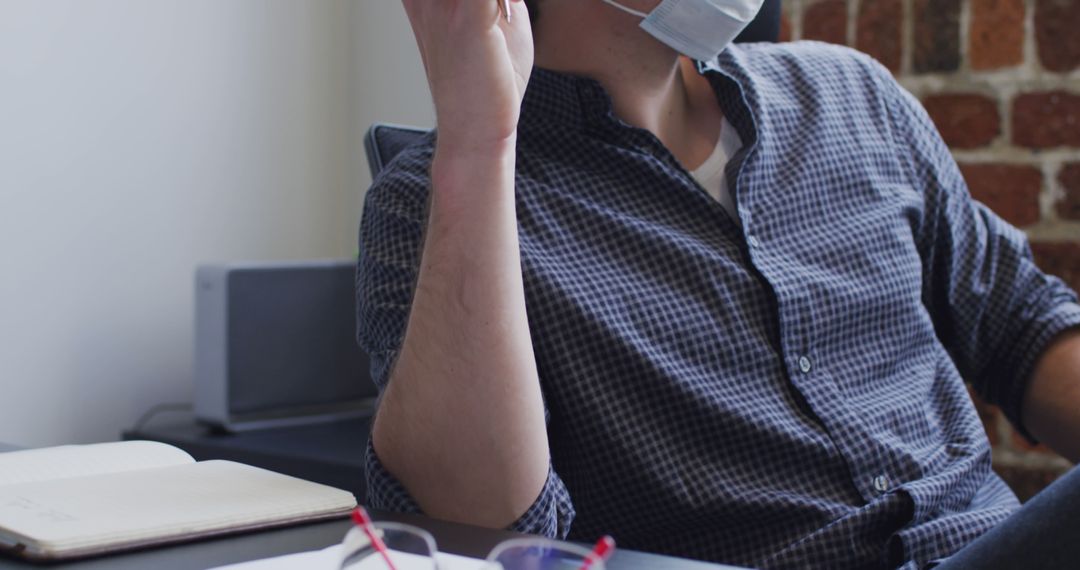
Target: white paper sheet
329	558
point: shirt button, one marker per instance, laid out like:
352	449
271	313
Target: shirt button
881	483
805	364
753	241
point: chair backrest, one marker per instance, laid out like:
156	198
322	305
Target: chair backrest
384	141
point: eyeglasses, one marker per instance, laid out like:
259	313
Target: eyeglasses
395	546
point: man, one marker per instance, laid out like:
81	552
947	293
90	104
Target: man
722	310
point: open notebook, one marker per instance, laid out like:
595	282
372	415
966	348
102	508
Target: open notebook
83	500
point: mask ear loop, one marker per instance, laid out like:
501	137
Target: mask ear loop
625	9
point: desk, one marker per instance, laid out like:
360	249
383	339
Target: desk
453	538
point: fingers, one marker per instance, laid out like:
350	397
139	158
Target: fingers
423	14
519	17
437	24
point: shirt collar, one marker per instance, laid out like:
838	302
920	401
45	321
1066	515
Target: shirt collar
557	100
562	100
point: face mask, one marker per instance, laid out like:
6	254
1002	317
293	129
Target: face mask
698	29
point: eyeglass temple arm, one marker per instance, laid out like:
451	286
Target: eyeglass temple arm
361	518
602	551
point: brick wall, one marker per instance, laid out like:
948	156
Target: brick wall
1001	79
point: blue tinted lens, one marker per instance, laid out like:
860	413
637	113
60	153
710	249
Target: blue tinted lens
541	558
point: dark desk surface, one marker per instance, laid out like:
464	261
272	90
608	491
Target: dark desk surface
453	538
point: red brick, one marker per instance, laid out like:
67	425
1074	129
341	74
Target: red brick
1059	258
937	35
1012	191
965	121
826	21
1069	177
878	31
997	33
1047	119
785	28
1056	33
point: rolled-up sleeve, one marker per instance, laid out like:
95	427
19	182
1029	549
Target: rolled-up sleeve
993	309
391	242
550	514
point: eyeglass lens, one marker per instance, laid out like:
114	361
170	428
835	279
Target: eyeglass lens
544	558
407	551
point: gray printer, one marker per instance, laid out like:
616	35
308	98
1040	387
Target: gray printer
275	345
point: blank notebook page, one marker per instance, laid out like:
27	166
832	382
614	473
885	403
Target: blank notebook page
80	460
148	504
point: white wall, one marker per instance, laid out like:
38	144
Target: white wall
391	86
141	137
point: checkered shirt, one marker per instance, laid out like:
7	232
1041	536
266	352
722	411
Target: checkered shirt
785	392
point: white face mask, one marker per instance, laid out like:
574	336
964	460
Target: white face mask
698	29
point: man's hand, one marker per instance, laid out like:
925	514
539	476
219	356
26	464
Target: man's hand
1052	401
478	66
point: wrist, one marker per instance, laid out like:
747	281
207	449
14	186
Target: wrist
467	146
468	171
469	157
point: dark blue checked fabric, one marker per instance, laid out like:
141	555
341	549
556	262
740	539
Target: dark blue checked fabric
785	393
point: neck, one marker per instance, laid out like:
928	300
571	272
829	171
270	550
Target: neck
651	86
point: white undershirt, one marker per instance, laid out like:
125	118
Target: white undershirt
710	175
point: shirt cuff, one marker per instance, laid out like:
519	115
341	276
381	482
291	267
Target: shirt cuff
550	515
552	512
1034	344
384	491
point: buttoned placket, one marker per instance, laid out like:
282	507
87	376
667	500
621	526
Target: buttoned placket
795	344
796	340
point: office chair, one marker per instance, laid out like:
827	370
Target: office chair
384	141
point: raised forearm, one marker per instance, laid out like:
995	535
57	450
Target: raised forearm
461	422
1052	400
